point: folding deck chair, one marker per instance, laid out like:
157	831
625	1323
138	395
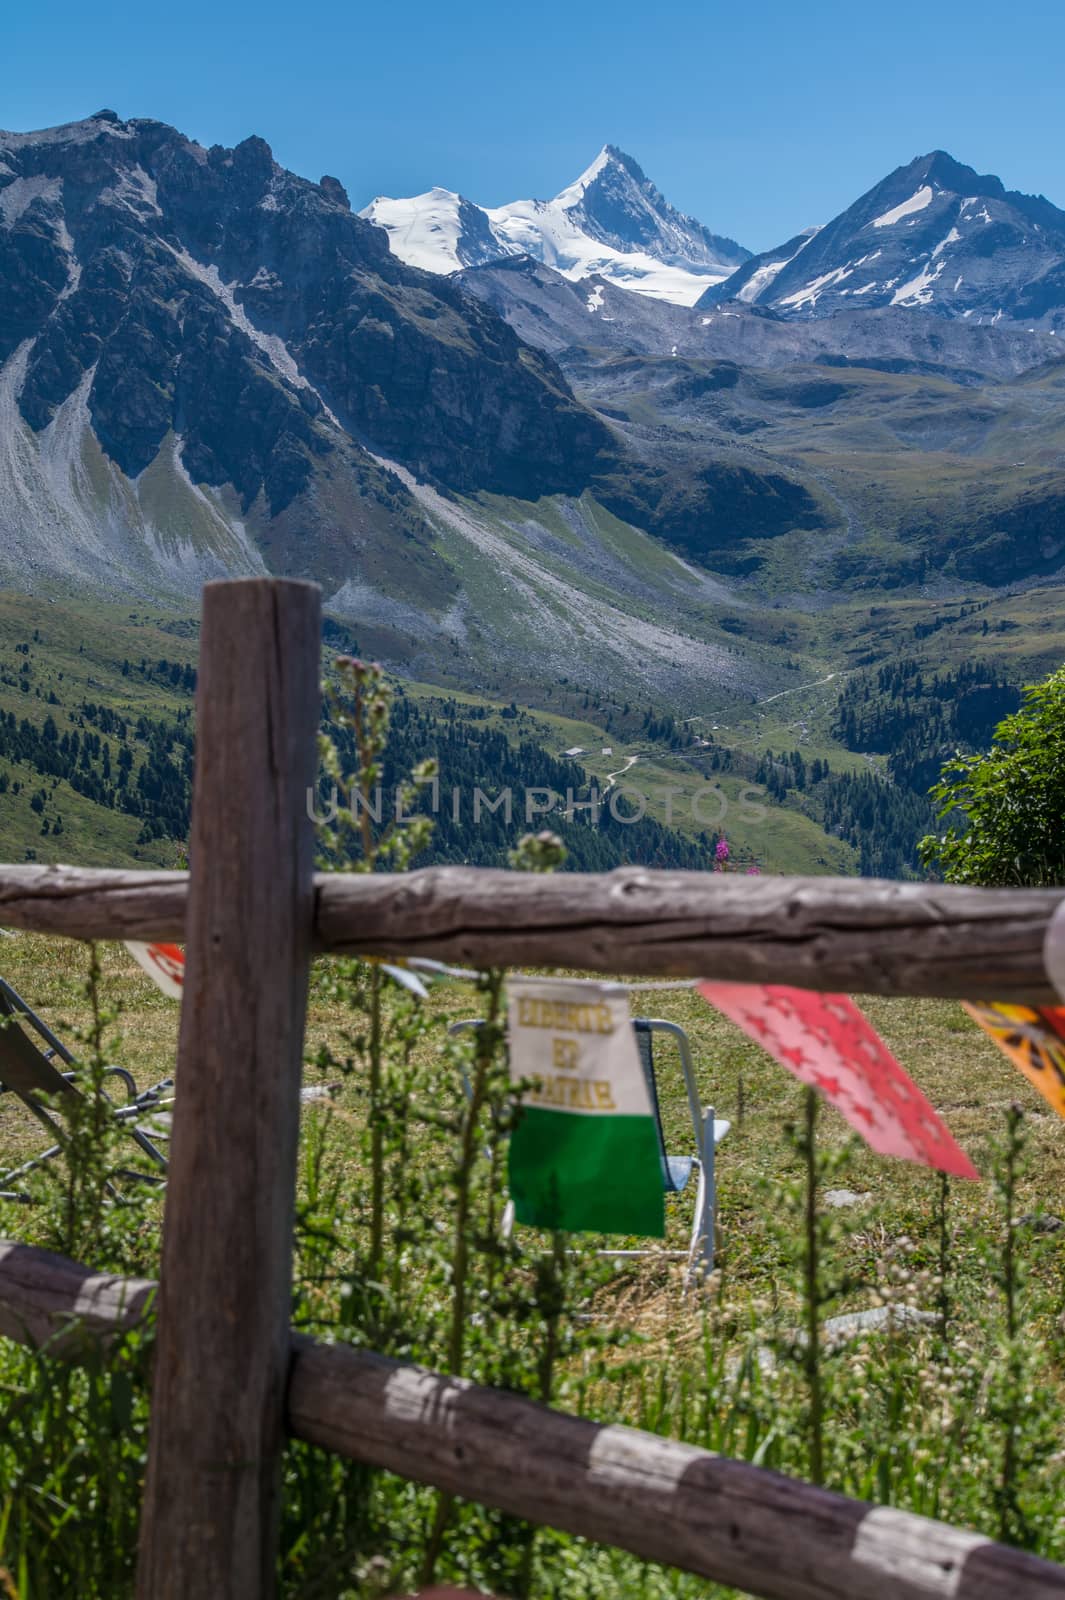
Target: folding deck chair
29	1070
708	1132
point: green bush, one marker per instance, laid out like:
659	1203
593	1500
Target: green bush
1012	800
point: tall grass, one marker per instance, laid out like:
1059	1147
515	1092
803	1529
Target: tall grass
399	1247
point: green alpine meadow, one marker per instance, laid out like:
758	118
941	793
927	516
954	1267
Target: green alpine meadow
532	803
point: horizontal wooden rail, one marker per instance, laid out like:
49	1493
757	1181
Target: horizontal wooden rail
862	936
725	1520
94	902
46	1299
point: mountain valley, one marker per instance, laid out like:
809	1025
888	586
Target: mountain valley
568	455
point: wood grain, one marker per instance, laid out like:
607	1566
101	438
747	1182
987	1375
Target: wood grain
733	1523
210	1510
94	902
849	934
48	1301
725	1520
854	935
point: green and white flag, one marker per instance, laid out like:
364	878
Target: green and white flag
584	1156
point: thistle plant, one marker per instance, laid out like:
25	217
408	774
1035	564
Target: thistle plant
1023	1423
351	750
807	1236
357	706
725	860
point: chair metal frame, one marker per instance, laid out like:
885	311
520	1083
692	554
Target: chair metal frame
47	1078
708	1132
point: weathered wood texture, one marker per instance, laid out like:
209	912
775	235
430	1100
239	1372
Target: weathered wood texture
725	1520
94	902
209	1524
46	1300
849	934
859	936
767	1534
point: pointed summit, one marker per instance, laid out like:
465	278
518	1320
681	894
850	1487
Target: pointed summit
610	221
944	172
614	203
932	235
574	192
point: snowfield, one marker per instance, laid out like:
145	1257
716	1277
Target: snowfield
424	231
441	231
916	202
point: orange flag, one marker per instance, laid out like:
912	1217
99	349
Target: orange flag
1034	1039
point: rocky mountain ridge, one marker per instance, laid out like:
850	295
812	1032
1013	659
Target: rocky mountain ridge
210	365
559	315
933	235
197	339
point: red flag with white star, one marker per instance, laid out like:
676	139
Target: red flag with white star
827	1043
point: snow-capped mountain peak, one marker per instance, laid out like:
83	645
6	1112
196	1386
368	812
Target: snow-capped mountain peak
616	204
439	231
574	192
934	235
610	221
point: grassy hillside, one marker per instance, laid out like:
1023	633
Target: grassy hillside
56	658
906	477
700	765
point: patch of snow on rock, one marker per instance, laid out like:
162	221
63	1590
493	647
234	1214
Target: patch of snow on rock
919	291
761	279
983	215
953	237
810	294
916	202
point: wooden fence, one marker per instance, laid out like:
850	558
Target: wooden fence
230	1376
769	1534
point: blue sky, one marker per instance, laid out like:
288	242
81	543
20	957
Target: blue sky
759	119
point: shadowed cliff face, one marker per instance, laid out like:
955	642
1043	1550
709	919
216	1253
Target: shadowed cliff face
932	236
204	320
212	295
208	364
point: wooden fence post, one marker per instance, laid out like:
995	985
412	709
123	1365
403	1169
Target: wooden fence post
209	1525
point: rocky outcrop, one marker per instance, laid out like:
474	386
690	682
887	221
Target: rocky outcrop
934	236
212	296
